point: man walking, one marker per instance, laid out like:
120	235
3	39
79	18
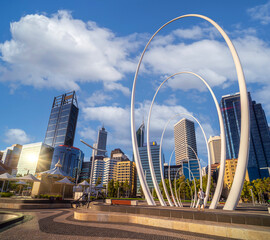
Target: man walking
201	198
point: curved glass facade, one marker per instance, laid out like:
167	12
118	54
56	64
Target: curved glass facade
71	159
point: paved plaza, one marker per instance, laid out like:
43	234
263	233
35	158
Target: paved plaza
60	224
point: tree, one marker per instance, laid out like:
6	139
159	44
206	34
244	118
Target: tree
127	188
111	189
117	188
98	181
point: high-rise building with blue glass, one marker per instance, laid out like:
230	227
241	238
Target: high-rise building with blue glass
186	148
63	120
145	164
102	141
259	149
70	158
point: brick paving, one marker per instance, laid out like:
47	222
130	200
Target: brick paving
59	224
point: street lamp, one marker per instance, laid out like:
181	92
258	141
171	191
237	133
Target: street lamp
93	160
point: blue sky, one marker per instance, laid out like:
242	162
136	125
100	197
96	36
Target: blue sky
51	47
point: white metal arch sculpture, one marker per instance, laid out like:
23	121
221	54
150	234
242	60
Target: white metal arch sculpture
170	183
223	144
181	205
237	185
208	153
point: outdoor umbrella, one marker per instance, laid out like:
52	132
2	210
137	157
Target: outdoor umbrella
65	182
29	178
21	183
6	176
84	184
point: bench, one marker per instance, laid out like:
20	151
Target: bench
122	202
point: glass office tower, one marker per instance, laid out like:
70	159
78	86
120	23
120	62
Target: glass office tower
259	149
71	159
145	164
102	141
63	120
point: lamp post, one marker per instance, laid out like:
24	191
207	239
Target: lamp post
92	167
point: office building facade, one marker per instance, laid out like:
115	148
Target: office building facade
173	170
259	149
35	158
118	154
184	136
214	143
140	135
145	164
102	141
110	170
126	171
71	159
11	155
230	168
85	172
98	169
63	120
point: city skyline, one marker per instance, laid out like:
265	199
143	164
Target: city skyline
102	77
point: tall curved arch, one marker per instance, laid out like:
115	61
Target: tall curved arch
237	185
223	144
160	160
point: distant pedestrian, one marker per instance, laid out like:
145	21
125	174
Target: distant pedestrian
201	197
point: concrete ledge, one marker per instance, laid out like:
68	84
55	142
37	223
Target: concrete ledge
211	216
8	218
223	230
34	206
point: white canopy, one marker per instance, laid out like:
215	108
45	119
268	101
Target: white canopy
55	171
21	183
65	181
29	178
6	176
99	186
84	183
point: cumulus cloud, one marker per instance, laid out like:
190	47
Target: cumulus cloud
117	86
14	136
117	120
88	133
261	13
60	52
97	98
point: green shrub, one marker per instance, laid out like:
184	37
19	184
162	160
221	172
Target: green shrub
6	194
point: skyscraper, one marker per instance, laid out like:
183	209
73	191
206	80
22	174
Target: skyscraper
11	156
35	158
214	143
63	120
140	135
259	149
71	159
145	164
184	136
101	141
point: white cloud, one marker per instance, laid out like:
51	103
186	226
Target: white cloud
117	120
261	13
97	98
88	133
61	52
210	58
117	86
16	136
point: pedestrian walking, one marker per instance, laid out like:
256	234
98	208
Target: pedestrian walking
201	197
